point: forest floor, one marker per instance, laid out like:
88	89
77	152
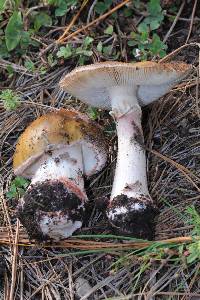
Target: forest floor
39	43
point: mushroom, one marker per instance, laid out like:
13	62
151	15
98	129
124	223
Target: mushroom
123	88
55	151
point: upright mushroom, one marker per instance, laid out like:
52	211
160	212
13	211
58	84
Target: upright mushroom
123	88
55	151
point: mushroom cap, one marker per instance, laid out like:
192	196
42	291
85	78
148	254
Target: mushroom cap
91	83
56	130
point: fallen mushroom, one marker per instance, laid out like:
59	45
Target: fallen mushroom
123	88
55	151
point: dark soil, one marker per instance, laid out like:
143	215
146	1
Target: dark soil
47	197
138	223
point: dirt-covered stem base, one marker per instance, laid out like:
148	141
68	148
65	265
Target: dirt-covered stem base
131	204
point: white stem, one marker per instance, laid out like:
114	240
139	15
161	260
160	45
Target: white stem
130	175
64	163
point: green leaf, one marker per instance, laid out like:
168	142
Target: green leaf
80	51
154	7
3	50
42	19
65	52
25	40
10	100
99	46
109	30
29	65
12	192
193	218
102	6
194	250
51	60
157	44
17	187
13	31
107	50
2	5
132	43
61	10
142	27
87	41
162	53
81	60
63	6
20	182
93	113
10	71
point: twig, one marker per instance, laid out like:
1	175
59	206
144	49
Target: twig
173	53
34	8
192	20
174	23
14	263
197	87
72	22
90	10
145	295
181	168
82	244
47	49
96	20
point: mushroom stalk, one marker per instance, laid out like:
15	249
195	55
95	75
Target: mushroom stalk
59	175
130	201
63	165
130	175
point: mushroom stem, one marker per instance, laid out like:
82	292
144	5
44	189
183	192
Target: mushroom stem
131	208
62	165
56	196
130	175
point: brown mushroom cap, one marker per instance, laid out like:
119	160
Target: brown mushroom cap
91	83
55	130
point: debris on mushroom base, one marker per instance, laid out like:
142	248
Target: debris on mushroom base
53	152
54	202
123	88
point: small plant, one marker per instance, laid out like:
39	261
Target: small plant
65	52
193	249
194	219
62	6
146	42
41	19
154	18
51	60
93	113
102	6
13	31
83	52
10	99
29	65
146	47
15	35
17	188
109	30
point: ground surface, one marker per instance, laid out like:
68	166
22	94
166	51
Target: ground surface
172	130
